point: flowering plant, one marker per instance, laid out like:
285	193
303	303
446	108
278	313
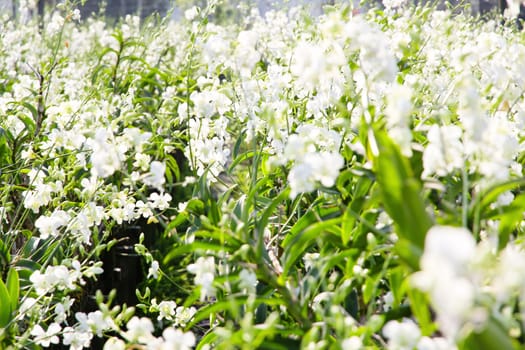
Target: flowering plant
345	182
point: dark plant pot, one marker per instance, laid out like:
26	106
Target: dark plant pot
123	267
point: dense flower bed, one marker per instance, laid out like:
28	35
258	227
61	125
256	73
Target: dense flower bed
343	182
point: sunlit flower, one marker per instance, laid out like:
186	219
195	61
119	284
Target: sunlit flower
139	330
204	271
48	337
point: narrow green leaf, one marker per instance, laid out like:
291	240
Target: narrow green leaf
347	226
489	196
5	305
13	287
268	211
493	336
299	244
5	152
241	158
401	193
421	310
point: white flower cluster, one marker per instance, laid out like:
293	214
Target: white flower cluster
62	277
461	276
178	316
314	152
140	331
406	335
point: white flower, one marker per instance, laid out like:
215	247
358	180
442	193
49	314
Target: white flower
178	340
438	343
114	344
107	156
448	247
139	330
310	260
352	343
301	179
45	338
166	310
98	322
444	152
509	278
397	111
55	24
49	225
153	270
402	335
63	308
143	209
29	305
142	161
191	13
37	198
77	339
204	271
447	275
326	167
75	16
155	177
247	280
184	315
159	201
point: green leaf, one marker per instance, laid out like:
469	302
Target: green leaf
489	196
347	226
401	195
511	216
268	211
396	276
13	287
229	304
420	309
313	216
241	158
493	336
5	152
196	246
195	206
5	305
295	247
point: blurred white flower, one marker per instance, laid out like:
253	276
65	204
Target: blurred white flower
204	271
49	225
114	343
155	177
177	339
310	260
397	111
352	343
402	335
447	275
247	280
75	15
444	152
139	330
191	13
106	157
437	343
153	271
509	278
